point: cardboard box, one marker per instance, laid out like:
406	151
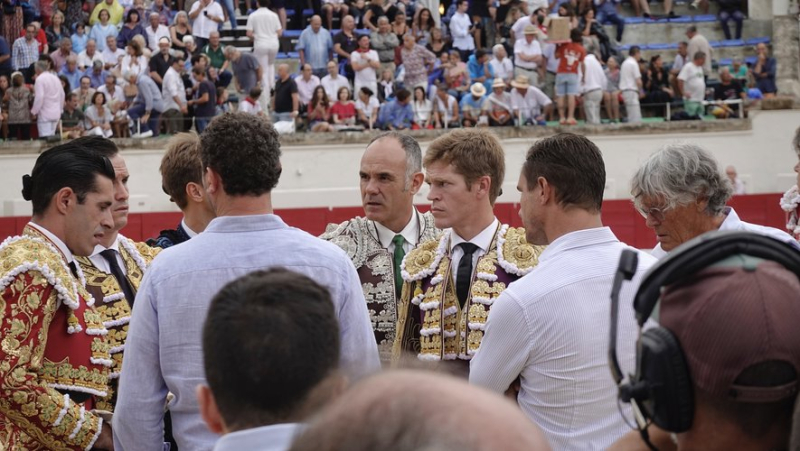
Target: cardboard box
558	30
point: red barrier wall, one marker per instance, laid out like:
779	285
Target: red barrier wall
620	215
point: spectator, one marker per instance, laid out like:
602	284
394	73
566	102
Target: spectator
764	71
343	112
693	86
397	114
594	34
329	7
160	62
204	100
48	100
174	95
699	43
112	55
739	71
115	13
378	9
84	92
423	109
25	53
344	44
138	6
319	111
250	104
608	12
417	61
677	64
367	107
163	11
264	300
422	25
230	12
57	30
246	69
79	39
64	51
285	101
115	101
19	99
155	31
656	83
498	105
643	7
102	31
528	102
445	109
98	117
551	68
190	48
472	106
567	82
438	45
567	11
71	71
223	101
265	27
728	89
146	107
528	55
89	55
461	29
358	9
307	82
594	83
315	47
206	15
630	83
178	31
216	56
480	71
387	86
535	19
731	10
134	60
501	64
365	62
333	82
736	182
384	42
131	28
41	38
611	91
72	119
5	58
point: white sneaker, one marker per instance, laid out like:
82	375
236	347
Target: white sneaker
146	134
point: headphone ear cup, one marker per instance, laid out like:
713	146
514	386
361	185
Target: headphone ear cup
662	367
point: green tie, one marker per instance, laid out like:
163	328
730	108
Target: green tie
399	253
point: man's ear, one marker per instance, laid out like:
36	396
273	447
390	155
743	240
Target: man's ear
195	192
212	181
64	199
209	410
416	182
545	190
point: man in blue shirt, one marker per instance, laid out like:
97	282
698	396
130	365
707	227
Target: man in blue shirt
5	58
480	71
315	47
472	106
96	74
397	114
71	71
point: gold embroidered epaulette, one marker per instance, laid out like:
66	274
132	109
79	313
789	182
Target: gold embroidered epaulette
514	254
148	253
423	260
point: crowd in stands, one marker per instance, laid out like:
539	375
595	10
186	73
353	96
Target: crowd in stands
393	64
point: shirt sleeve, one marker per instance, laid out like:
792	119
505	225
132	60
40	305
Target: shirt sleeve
359	350
505	346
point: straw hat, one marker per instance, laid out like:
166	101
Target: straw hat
530	29
521	82
498	83
477	89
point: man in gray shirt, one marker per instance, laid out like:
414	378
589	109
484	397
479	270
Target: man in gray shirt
163	353
245	67
147	107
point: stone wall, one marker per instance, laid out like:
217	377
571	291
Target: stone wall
786	50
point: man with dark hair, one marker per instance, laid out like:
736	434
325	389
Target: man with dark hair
391	175
241	156
548	329
54	362
182	180
259	391
72	118
397	114
630	83
451	282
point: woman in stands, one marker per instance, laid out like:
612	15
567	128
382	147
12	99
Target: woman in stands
100	31
594	34
343	112
437	44
568	11
422	25
56	31
319	111
423	108
134	61
131	28
656	83
178	30
376	9
612	92
367	108
399	25
98	117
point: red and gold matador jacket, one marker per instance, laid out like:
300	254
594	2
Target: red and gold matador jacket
431	322
54	357
112	306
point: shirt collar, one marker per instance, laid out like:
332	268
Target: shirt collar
483	240
60	245
731	221
247	223
99	248
275	437
410	232
577	239
186	229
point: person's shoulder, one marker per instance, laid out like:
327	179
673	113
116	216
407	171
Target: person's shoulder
33	256
422	261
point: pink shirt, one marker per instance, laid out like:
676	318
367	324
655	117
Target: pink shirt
48	101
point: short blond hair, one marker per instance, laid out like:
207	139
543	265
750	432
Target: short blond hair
180	166
474	153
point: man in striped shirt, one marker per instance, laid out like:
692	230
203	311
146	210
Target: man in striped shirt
549	330
25	52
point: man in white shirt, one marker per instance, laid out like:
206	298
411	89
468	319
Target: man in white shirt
630	83
365	62
307	82
333	82
528	102
682	194
155	31
114	95
206	16
48	101
536	18
502	64
736	182
174	93
528	55
677	64
699	43
89	55
461	30
295	353
112	56
550	328
692	83
594	81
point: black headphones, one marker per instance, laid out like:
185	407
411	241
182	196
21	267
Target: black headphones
661	389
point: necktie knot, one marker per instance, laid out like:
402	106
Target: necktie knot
468	248
110	255
398	240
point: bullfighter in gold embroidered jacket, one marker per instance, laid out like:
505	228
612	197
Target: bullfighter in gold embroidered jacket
54	360
391	174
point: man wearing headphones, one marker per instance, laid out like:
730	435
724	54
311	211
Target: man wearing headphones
721	371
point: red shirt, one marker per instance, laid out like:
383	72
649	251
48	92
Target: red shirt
344	111
571	55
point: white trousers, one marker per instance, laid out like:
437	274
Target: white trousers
266	59
98	131
46	127
591	105
631	99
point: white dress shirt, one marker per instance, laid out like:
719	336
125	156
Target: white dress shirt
410	233
277	437
531	103
595	77
332	86
60	245
523	47
173	86
629	73
483	240
100	262
459	28
551	329
186	229
202	25
733	223
305	88
503	70
84	60
153	36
